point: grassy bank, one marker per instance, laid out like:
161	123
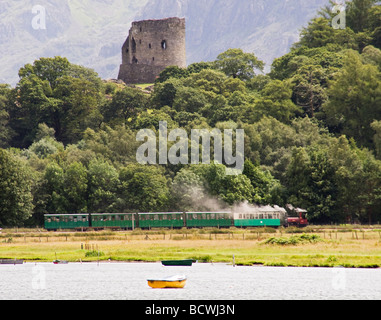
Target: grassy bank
323	247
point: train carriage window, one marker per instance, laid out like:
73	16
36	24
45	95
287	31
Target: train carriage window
270	216
204	216
156	217
213	216
261	216
165	217
240	216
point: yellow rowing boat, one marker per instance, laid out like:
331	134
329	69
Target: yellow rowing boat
176	282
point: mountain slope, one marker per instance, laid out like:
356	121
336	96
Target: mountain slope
92	32
267	28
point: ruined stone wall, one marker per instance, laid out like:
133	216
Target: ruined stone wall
151	46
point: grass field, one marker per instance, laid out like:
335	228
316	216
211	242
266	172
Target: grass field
269	247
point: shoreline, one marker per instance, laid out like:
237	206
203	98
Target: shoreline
104	262
249	247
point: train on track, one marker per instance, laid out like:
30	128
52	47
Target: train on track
260	217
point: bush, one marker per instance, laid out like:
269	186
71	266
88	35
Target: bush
294	240
204	259
94	253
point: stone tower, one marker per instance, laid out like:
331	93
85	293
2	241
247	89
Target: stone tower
151	46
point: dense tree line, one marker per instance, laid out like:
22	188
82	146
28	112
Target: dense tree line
312	131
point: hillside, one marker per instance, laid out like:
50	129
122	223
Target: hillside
91	33
267	28
306	134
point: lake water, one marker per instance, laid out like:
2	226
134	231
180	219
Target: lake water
128	281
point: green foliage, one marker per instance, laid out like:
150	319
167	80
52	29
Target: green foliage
103	181
355	99
294	240
94	253
276	103
312	131
15	190
54	92
310	180
238	64
143	188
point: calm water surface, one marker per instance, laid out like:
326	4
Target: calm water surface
128	281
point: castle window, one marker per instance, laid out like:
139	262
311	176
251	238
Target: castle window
140	41
133	45
164	44
153	58
149	46
141	29
134	60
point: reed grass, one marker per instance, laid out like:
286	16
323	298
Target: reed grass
323	248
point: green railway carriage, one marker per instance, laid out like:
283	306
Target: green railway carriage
149	220
113	220
259	219
67	221
209	219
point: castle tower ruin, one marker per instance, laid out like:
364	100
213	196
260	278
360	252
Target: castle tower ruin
151	46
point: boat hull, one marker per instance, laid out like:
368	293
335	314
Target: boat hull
177	262
60	262
11	261
175	282
158	284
